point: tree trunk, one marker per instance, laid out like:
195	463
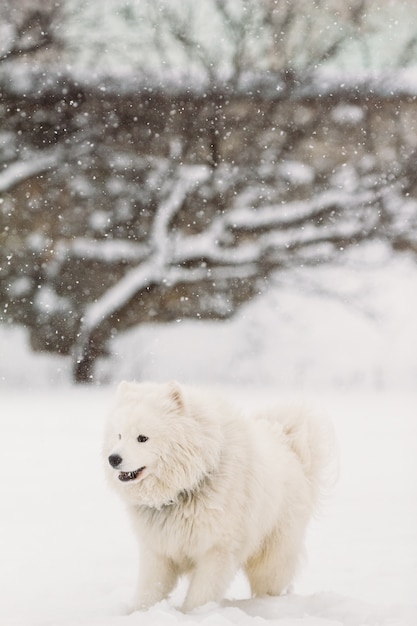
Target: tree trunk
83	368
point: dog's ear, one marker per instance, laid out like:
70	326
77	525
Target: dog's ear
176	394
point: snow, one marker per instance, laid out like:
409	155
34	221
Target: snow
21	170
105	250
347	114
291	212
134	280
297	173
69	558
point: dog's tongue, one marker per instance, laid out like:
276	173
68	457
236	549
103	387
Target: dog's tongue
126	476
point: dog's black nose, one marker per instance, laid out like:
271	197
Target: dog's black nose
115	460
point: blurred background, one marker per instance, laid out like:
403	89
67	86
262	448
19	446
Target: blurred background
222	191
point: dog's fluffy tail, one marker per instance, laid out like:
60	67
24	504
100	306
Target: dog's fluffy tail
311	437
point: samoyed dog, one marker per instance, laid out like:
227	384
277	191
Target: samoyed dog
210	491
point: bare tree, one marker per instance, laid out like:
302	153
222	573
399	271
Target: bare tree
290	39
209	274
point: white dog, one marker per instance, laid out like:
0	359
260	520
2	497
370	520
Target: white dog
210	491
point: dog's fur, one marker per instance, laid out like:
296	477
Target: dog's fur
218	491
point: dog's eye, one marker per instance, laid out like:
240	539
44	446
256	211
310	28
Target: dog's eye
142	438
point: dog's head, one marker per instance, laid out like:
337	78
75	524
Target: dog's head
140	428
159	442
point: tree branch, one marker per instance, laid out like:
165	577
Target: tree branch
32	165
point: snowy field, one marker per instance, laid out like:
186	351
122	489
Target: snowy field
68	557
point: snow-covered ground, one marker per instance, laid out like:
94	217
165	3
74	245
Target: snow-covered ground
68	557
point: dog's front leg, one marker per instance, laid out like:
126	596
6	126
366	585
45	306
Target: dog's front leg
210	579
157	577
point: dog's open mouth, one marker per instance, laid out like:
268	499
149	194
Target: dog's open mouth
127	476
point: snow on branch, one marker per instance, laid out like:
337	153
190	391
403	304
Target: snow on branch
245	243
108	251
155	268
31	166
277	228
274	231
134	281
291	214
189	177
